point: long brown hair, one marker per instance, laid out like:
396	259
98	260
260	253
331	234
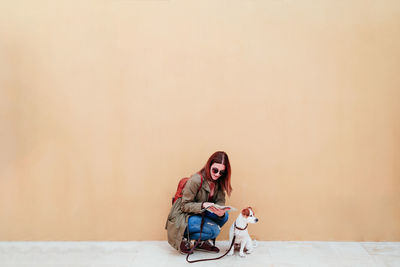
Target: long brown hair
225	180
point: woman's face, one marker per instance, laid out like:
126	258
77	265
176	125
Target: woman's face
217	170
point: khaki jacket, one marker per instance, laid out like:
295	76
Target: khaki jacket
189	204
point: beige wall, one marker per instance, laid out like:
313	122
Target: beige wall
104	105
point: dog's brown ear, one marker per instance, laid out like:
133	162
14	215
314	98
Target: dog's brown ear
246	212
250	208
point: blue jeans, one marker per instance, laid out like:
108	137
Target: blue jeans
211	228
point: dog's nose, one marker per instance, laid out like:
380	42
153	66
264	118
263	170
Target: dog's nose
256	220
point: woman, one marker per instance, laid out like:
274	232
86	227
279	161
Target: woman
184	219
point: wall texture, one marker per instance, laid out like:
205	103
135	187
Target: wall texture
105	105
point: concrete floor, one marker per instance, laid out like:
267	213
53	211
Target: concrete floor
159	253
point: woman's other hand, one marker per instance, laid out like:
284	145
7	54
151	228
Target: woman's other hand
210	207
217	211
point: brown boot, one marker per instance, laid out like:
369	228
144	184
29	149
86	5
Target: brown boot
205	246
185	247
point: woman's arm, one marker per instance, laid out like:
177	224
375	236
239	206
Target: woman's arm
189	193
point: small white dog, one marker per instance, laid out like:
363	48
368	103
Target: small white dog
239	229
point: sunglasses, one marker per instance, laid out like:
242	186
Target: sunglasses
215	170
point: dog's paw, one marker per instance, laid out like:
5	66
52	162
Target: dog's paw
249	251
230	253
241	254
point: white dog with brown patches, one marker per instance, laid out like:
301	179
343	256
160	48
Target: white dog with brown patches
239	229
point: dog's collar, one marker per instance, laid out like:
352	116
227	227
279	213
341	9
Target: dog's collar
241	229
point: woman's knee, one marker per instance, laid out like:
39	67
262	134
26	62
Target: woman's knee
225	218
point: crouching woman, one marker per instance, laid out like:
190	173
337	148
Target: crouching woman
204	188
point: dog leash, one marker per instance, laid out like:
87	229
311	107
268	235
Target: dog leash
210	259
198	240
217	258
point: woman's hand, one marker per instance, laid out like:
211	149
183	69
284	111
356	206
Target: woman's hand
217	211
213	209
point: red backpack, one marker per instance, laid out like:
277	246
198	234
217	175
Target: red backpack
180	187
